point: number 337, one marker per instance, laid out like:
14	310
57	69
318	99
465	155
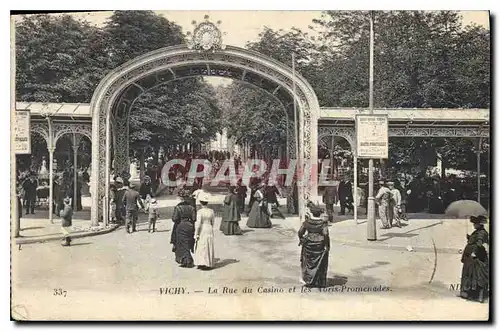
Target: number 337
60	292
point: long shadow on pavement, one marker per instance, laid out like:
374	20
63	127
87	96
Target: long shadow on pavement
80	244
222	263
397	235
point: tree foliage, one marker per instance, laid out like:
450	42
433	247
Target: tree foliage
422	59
251	116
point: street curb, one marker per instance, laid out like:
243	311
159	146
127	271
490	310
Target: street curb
383	246
53	237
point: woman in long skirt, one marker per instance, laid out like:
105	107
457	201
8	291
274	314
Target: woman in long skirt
475	273
231	215
315	248
184	216
204	247
258	216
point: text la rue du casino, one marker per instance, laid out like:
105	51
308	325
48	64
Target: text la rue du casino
272	290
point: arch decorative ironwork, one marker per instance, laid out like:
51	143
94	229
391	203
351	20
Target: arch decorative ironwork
165	63
348	134
43	130
60	129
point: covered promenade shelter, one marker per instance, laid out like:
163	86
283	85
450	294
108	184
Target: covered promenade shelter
53	120
407	122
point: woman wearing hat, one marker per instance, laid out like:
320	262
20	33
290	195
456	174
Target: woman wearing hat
182	238
231	214
315	248
258	216
204	247
475	272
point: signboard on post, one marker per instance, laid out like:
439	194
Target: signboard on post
372	136
22	134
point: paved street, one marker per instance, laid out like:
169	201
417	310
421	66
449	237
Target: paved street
106	275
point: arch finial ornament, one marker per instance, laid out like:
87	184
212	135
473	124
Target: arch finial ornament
206	36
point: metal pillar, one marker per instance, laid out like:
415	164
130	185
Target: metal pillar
478	159
300	165
51	183
51	148
105	211
76	143
356	189
371	221
15	206
332	163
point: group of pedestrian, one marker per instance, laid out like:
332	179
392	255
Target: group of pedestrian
435	193
389	203
341	193
186	239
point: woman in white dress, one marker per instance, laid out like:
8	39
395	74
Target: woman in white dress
204	247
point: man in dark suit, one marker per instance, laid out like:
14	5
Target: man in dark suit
329	199
345	196
120	207
241	193
132	201
30	185
271	194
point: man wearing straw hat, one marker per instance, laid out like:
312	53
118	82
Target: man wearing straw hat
394	205
382	199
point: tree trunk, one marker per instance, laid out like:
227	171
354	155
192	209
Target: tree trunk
156	155
443	167
142	162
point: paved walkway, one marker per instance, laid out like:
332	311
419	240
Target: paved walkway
445	235
104	273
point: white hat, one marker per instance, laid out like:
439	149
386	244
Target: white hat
204	197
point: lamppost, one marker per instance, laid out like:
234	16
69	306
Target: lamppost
51	148
371	224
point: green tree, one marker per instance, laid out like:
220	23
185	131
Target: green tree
252	117
130	33
181	112
55	59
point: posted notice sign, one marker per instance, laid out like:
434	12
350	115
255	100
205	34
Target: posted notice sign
22	136
372	136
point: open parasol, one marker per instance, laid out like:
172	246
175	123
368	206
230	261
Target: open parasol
465	209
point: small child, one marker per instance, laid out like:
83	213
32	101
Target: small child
154	214
66	221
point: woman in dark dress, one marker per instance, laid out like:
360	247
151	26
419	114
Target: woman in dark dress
475	273
315	248
258	216
182	238
231	215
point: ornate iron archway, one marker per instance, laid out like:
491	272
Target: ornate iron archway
204	56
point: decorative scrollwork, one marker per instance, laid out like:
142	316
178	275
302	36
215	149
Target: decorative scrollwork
42	129
60	129
206	37
348	134
439	132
